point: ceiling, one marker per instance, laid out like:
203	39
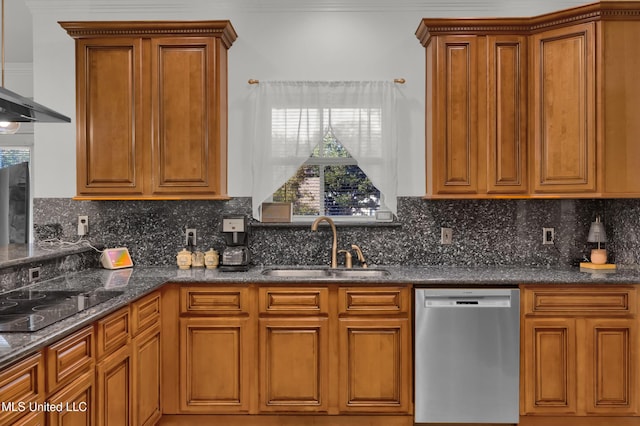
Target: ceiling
18	15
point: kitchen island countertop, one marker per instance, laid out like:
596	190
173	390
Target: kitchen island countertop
139	281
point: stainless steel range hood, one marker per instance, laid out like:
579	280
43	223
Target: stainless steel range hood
17	108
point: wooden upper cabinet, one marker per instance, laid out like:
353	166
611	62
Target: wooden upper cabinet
506	115
151	109
186	107
109	116
454	144
476	110
564	117
618	65
534	107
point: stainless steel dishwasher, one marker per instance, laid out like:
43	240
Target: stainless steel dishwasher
467	355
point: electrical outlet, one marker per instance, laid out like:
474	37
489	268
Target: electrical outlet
83	225
190	236
446	235
548	236
34	274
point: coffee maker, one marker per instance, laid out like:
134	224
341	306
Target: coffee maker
235	256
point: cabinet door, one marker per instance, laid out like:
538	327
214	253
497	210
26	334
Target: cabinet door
79	399
216	361
375	365
564	109
146	377
294	364
36	418
109	116
20	385
113	386
611	366
69	357
549	366
507	114
452	142
185	118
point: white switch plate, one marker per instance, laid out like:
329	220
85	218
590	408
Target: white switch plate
446	236
548	236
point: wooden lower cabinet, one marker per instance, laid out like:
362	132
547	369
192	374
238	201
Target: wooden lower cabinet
114	388
20	385
580	355
307	353
147	370
612	357
375	365
146	357
78	398
114	369
36	418
293	364
215	364
549	367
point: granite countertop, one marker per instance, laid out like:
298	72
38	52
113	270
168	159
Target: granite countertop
139	281
19	254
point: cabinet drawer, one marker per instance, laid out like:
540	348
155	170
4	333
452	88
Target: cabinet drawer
145	313
36	418
297	300
21	383
383	300
70	357
584	300
218	300
112	332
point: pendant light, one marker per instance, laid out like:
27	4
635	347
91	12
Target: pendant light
6	127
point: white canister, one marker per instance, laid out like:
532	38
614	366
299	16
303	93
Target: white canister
211	259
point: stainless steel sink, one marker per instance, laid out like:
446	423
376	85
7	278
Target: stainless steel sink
325	273
297	273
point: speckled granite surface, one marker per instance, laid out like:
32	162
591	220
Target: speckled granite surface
485	232
17	259
143	280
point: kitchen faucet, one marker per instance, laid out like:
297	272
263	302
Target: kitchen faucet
360	255
334	245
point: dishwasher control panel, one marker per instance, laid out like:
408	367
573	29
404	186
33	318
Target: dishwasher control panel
447	298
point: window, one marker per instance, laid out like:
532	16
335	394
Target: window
330	183
327	147
10	156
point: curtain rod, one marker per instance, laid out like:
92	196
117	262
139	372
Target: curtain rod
395	80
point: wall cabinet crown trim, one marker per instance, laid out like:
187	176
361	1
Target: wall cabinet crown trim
84	29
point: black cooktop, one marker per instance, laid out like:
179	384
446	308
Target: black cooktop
31	310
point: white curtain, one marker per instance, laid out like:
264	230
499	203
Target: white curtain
289	122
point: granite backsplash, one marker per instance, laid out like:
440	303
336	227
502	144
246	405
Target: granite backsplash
485	232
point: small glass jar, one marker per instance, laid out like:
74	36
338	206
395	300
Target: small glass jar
197	259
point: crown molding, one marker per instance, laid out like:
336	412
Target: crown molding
433	7
606	10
